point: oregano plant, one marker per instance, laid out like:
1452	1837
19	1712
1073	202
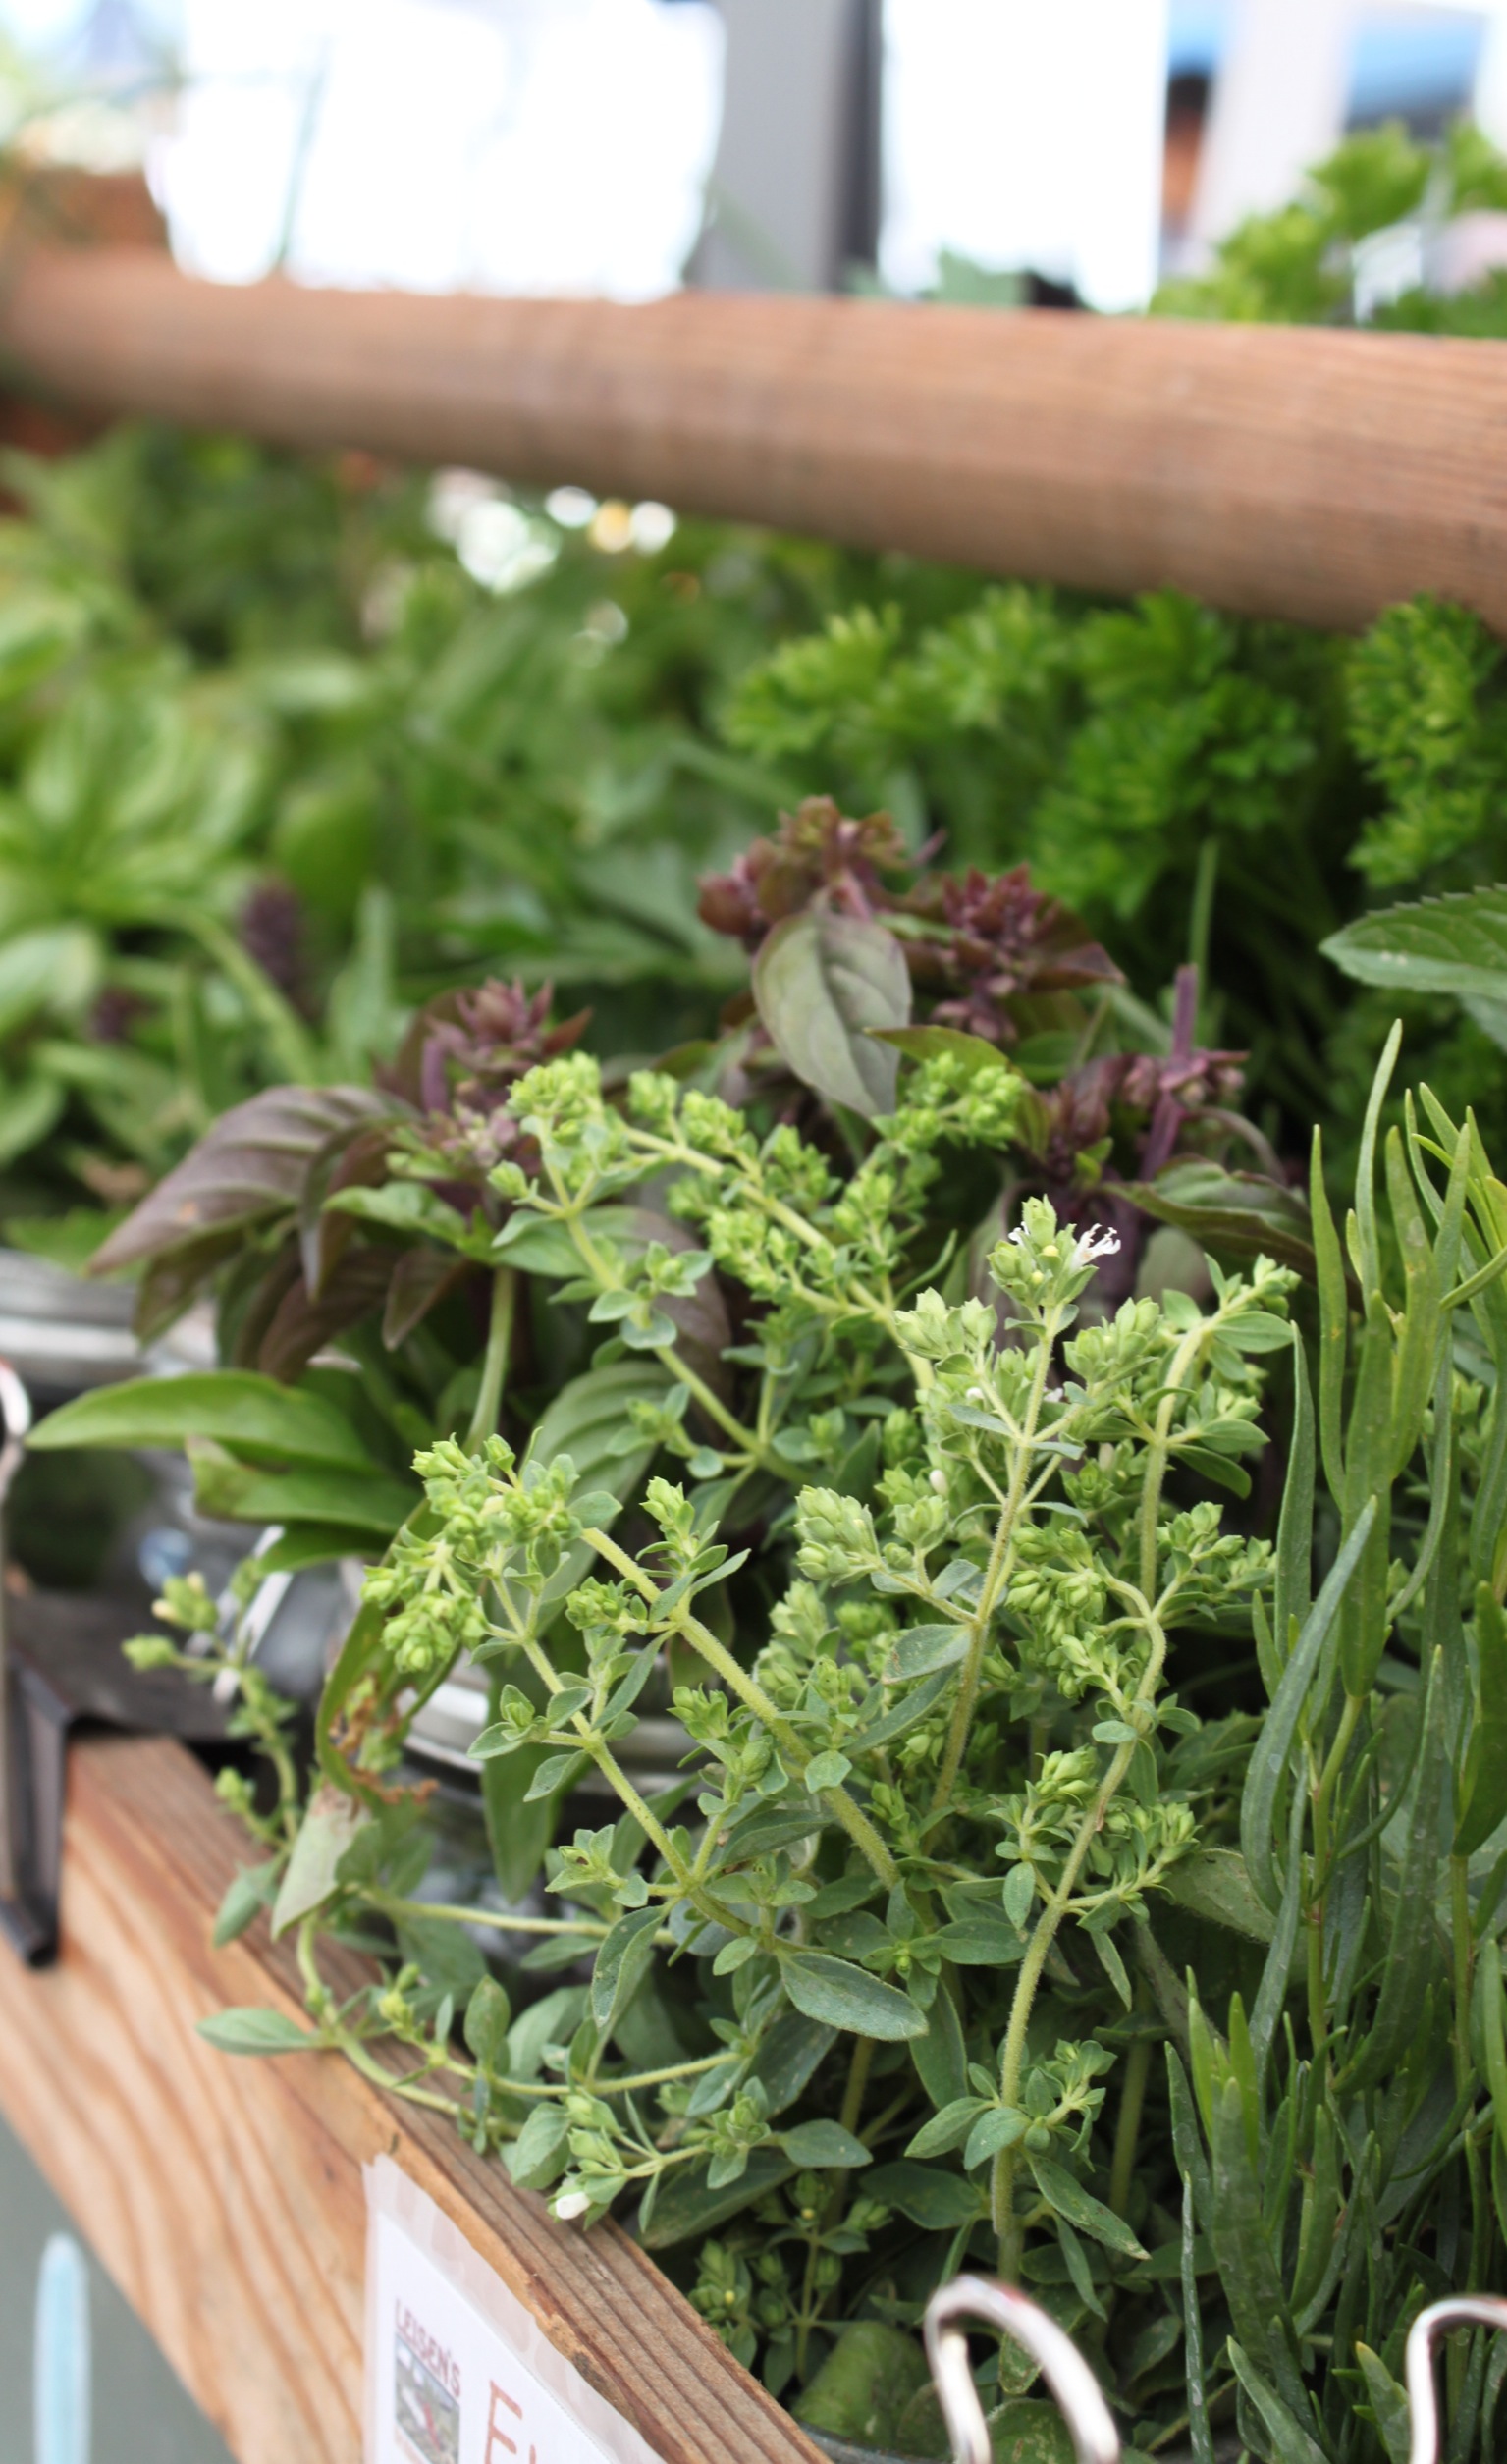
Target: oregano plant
878	1961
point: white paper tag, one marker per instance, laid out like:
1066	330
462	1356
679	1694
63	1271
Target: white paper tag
458	2372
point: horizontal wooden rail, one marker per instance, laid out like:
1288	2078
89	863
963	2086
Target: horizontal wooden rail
1284	472
224	2196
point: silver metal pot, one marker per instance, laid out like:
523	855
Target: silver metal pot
60	1332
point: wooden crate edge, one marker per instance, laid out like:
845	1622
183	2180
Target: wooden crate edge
224	2196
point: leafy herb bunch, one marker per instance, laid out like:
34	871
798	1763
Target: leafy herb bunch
372	1221
937	1769
877	1985
916	1531
1343	2147
1018	1567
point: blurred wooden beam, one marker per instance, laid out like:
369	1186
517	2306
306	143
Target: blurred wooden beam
59	204
1285	472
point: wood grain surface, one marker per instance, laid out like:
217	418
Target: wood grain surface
224	2196
1288	472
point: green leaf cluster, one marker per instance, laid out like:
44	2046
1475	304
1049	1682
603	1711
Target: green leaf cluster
878	1958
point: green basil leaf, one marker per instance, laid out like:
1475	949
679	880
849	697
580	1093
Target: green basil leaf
256	2033
1456	945
370	1502
258	1418
821	981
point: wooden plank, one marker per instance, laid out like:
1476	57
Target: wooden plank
224	2196
1313	475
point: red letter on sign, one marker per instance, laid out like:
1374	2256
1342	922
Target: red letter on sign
497	2436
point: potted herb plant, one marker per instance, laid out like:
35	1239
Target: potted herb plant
1069	1875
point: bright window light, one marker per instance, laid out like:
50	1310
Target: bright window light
652	527
572	507
1026	137
512	146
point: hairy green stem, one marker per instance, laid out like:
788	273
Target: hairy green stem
855	1822
494	1366
1184	1360
812	2301
1012	2061
666	1353
994	1577
857	2083
1127	2130
451	1912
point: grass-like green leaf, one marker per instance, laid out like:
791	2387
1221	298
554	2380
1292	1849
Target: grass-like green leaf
1412	1951
1290	2441
1274	1747
1482	1796
1199	2435
1389	2405
1293	1588
1246	2268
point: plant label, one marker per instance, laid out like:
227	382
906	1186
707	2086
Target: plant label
458	2372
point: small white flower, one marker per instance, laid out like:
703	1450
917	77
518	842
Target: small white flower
1054	1394
939	1480
976	1394
1098	1242
1017	1238
569	2205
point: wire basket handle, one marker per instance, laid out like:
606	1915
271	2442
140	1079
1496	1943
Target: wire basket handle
15	1424
1094	2438
1464	2310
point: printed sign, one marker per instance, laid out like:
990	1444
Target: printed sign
458	2372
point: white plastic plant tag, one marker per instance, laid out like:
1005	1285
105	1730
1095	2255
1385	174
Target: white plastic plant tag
456	2370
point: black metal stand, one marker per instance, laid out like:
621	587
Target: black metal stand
66	1670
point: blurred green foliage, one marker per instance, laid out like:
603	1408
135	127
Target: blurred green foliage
1307	263
276	765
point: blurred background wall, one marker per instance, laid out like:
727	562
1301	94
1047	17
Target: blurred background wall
986	148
